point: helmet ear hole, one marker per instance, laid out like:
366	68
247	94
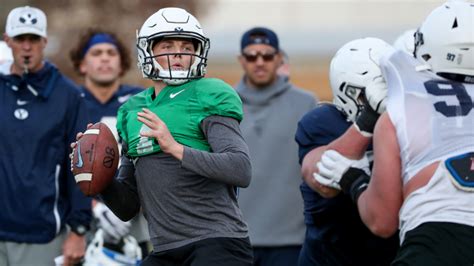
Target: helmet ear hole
426	57
341	88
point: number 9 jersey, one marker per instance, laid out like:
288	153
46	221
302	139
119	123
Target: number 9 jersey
433	116
434	121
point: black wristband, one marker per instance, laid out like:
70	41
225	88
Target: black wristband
367	119
79	229
359	186
354	182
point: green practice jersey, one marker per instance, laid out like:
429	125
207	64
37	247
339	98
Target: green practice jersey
182	108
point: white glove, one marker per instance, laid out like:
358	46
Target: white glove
333	166
114	228
376	94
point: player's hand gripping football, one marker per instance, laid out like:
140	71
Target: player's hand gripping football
160	132
74	145
95	159
334	169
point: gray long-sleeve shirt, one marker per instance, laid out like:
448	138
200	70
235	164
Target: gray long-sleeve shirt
189	200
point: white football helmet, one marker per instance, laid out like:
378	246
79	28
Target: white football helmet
177	23
98	255
352	68
445	40
406	42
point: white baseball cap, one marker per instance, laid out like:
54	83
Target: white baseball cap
26	20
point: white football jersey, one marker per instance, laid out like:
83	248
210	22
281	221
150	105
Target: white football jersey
433	116
434	120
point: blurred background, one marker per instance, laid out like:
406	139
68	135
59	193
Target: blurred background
310	31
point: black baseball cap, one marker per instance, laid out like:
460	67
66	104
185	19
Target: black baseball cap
259	35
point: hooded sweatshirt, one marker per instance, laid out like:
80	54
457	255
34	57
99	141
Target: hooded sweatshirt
272	205
40	114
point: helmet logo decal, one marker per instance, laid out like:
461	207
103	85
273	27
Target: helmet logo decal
178	29
151	26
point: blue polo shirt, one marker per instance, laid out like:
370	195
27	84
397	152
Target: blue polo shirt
40	114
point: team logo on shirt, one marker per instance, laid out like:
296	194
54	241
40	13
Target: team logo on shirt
21	114
461	171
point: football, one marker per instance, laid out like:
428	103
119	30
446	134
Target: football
95	159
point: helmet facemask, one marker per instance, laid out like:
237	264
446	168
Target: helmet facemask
194	68
352	98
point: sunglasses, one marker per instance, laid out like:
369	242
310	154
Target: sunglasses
253	57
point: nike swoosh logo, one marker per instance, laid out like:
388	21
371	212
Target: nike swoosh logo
20	102
172	95
79	163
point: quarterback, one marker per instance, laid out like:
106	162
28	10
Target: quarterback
184	155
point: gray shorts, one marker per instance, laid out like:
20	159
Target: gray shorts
26	254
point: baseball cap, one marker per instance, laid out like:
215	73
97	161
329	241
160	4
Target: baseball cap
26	20
259	35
